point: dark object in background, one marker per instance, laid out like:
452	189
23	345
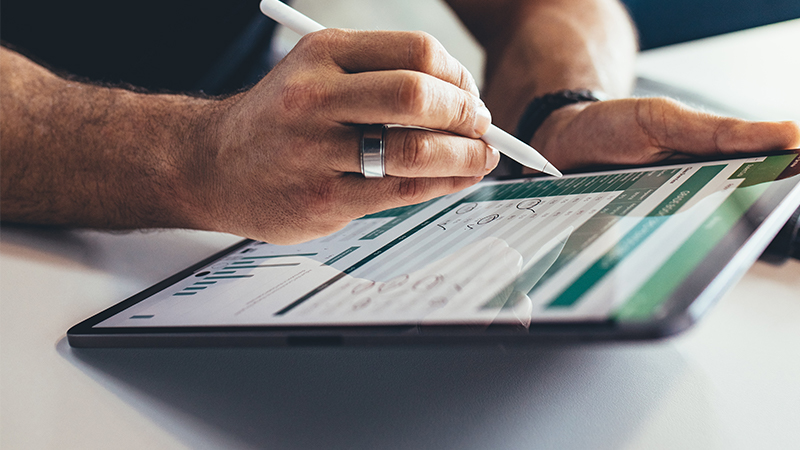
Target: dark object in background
176	45
664	22
786	243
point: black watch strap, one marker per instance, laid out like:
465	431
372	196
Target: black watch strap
540	108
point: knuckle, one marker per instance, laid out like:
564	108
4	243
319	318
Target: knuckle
417	152
304	95
424	52
412	94
463	113
647	112
321	40
465	80
475	158
655	118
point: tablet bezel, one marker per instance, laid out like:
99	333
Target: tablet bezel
739	248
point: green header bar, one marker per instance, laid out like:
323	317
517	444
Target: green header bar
760	172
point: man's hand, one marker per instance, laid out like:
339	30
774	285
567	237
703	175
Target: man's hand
646	130
535	47
283	165
278	162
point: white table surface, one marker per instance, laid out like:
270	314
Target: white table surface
732	381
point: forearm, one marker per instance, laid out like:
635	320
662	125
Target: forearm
538	46
278	162
77	154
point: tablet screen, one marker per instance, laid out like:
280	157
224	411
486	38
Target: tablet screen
586	247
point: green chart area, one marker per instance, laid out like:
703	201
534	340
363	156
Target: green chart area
651	295
238	269
633	193
643	230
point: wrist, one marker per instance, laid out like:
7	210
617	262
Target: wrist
553	126
168	180
195	181
541	108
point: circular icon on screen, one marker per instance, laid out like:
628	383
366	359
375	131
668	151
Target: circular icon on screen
529	204
428	283
465	208
488	219
394	283
362	287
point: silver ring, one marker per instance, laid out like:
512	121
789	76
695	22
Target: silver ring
372	150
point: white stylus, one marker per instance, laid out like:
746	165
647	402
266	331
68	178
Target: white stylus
497	138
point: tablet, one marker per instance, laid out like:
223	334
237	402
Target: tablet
633	253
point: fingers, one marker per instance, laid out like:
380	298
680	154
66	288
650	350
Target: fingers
407	98
419	153
388	77
368	51
675	126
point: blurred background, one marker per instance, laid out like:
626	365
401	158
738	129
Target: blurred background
665	22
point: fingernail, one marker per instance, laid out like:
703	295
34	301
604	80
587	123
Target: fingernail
483	118
492	158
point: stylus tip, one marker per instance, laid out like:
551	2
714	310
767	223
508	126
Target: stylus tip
551	170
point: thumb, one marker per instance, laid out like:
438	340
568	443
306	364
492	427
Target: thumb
680	128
